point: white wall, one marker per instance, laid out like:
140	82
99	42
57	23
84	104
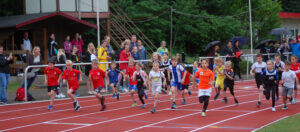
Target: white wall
103	5
48	5
67	5
32	6
86	5
290	23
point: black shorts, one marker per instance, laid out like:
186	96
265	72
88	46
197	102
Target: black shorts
185	87
54	88
98	89
258	79
228	84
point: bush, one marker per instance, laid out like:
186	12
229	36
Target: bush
243	66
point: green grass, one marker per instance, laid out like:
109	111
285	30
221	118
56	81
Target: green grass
290	124
13	86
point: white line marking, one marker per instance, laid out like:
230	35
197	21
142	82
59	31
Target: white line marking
173	127
146	113
235	117
239	111
185	116
61	123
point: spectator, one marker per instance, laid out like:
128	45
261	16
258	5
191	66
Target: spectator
284	49
4	74
135	53
34	59
142	51
228	51
110	50
124	56
133	42
75	58
212	53
90	55
27	45
162	49
273	50
68	47
178	58
157	58
52	46
295	47
78	43
117	55
265	50
103	56
61	59
237	59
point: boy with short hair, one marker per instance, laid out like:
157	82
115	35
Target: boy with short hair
288	81
71	75
177	79
96	76
256	70
279	67
113	75
132	82
52	77
229	81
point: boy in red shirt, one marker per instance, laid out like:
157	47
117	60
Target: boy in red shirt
96	76
296	68
52	77
185	85
71	75
132	83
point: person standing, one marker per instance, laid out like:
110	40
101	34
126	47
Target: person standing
27	45
110	50
142	51
52	46
228	51
162	49
89	56
133	42
236	60
103	56
4	74
68	47
78	43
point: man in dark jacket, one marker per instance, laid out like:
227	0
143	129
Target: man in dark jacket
4	74
52	46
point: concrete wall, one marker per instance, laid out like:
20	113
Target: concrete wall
293	24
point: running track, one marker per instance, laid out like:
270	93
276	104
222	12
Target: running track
120	116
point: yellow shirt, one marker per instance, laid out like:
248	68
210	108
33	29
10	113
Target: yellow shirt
102	57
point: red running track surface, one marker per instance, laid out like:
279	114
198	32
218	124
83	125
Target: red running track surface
120	116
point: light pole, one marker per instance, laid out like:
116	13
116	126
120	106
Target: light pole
171	30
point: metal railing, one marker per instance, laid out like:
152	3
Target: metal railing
61	65
249	58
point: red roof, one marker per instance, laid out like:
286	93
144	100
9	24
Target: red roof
289	15
53	15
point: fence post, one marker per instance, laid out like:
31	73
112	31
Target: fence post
106	89
25	82
247	72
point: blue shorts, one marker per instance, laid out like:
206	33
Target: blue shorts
115	83
132	87
178	85
197	81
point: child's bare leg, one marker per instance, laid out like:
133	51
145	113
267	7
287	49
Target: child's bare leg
114	88
132	95
71	95
156	98
173	89
260	90
51	94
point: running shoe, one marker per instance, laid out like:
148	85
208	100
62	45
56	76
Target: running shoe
170	92
118	96
277	98
77	108
114	95
74	104
258	104
190	93
273	109
153	110
143	106
203	114
285	107
184	102
226	101
236	101
50	107
293	101
103	108
173	106
134	104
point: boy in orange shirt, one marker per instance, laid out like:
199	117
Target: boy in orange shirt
206	81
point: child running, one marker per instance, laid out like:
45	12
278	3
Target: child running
96	76
177	80
206	78
166	63
296	68
132	83
113	75
270	80
219	69
195	69
155	83
229	82
256	70
288	81
185	84
279	67
71	75
52	77
141	77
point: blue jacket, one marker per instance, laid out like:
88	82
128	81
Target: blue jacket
295	48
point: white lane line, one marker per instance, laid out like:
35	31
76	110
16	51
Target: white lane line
149	113
235	117
59	123
239	111
186	116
